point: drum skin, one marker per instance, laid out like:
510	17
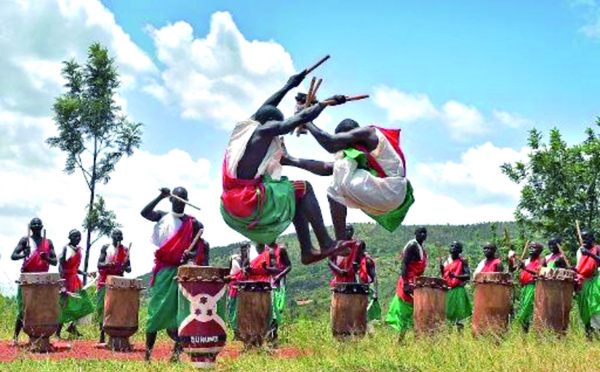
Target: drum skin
201	312
429	305
349	310
553	300
41	293
254	311
491	303
121	308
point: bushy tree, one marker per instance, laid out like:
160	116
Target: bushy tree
560	185
93	132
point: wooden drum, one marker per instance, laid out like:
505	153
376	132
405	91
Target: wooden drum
349	310
41	293
491	303
553	300
429	305
201	312
121	307
254	311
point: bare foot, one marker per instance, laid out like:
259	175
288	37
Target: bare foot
316	256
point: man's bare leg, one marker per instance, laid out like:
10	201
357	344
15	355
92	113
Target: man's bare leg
338	217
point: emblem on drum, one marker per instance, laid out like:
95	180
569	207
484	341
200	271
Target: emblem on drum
203	308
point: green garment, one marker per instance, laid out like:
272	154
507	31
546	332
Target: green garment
232	312
458	304
400	315
75	307
373	310
277	302
162	307
551	264
19	304
272	217
391	220
588	299
527	300
100	294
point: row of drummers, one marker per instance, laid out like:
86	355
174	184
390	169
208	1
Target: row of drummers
546	294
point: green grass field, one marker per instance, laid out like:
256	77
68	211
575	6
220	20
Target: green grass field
380	351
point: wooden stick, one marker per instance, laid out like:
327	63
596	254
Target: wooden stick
198	234
310	95
579	233
319	63
314	92
183	201
348	98
563	254
524	250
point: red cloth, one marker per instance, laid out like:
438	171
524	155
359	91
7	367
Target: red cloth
171	252
200	252
587	266
347	264
119	258
257	270
455	267
491	266
415	269
241	198
533	265
70	270
35	263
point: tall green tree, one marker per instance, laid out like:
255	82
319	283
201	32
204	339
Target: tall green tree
93	132
560	185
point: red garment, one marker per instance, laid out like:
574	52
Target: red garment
241	198
554	257
70	270
257	270
533	265
491	266
35	263
200	252
170	254
587	266
392	135
415	269
456	267
119	258
347	264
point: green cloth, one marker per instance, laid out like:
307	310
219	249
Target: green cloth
400	315
551	264
19	303
373	310
277	302
458	304
389	221
100	294
162	307
272	218
232	312
527	300
76	307
588	299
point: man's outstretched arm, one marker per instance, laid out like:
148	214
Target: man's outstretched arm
278	128
320	168
333	143
292	83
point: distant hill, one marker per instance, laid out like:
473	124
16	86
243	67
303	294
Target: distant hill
311	282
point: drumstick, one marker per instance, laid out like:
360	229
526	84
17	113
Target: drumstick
194	242
524	250
184	201
310	95
579	233
91	282
319	63
563	254
348	99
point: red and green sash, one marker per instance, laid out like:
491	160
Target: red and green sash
526	277
415	269
170	253
347	264
455	267
35	263
118	258
587	266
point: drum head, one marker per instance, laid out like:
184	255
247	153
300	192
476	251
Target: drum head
351	288
251	286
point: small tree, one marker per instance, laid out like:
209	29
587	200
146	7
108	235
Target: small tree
560	185
93	132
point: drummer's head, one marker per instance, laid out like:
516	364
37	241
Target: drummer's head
420	234
588	238
178	205
36	225
117	236
553	244
535	249
268	113
489	250
456	249
74	237
346	125
349	232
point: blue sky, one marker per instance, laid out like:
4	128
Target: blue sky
464	80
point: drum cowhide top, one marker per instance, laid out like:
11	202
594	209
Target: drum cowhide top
430	282
351	288
548	273
493	278
39	279
119	282
194	273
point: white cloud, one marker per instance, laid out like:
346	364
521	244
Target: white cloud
462	120
510	120
590	12
402	106
592	30
221	78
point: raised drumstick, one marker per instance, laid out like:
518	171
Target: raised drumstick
348	98
579	233
319	63
314	92
563	254
524	250
183	200
310	95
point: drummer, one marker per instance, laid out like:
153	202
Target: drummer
456	273
529	272
113	260
236	274
358	266
38	261
491	263
414	262
173	234
588	295
279	266
76	302
556	258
